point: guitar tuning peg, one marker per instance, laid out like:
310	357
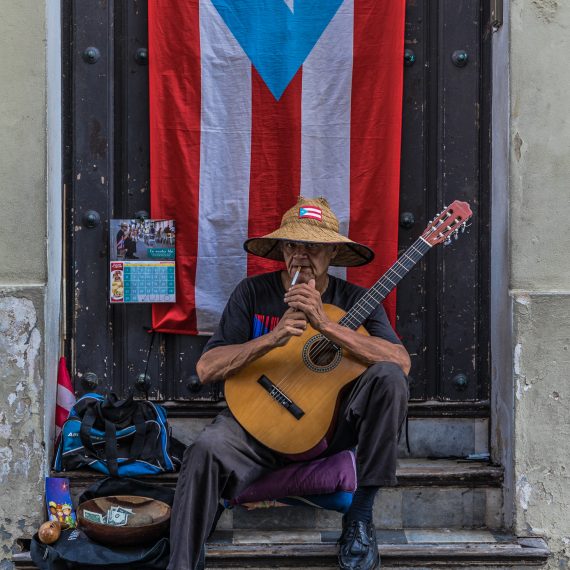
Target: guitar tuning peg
447	241
456	235
463	227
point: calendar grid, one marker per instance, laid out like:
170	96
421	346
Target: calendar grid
142	264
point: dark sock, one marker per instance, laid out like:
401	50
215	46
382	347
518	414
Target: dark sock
362	503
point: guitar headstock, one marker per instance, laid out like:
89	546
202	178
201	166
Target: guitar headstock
448	223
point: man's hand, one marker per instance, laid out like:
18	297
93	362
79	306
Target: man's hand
292	323
368	349
223	361
305	297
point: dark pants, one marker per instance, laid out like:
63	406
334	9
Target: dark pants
224	460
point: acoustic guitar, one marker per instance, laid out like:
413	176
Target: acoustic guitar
287	398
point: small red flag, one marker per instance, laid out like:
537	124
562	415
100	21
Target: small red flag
65	396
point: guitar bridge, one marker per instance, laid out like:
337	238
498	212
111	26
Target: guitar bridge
281	398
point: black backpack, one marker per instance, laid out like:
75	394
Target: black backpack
122	438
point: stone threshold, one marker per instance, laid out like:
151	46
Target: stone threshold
410	548
429	555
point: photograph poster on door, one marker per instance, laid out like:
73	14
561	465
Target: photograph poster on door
142	263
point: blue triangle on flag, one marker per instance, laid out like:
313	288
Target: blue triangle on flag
277	40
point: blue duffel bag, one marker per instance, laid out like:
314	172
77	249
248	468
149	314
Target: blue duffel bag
121	438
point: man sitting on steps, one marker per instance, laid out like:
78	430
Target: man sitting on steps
225	459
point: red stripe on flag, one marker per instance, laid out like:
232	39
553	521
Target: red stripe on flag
275	161
65	397
175	100
61	415
376	117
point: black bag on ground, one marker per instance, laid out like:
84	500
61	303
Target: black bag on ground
74	550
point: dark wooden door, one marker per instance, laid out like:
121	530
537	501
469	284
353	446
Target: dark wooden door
442	304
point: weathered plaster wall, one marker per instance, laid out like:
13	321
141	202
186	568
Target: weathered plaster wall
21	417
23	267
540	271
23	141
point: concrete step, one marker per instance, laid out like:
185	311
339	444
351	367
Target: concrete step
445	437
428	436
411	548
430	493
429	548
411	472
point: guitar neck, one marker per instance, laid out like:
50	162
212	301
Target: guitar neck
380	290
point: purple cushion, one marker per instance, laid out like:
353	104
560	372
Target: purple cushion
317	477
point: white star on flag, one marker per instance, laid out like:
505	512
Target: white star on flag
291	4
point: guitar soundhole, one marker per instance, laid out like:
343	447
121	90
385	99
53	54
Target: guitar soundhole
321	355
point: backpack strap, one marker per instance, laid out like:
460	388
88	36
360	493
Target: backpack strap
120	412
150	450
139	442
137	447
87	423
111	448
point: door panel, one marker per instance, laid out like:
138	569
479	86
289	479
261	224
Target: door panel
89	138
442	304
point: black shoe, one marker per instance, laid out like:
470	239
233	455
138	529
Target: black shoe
358	549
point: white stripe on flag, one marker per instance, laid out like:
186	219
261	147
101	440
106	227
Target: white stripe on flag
325	123
224	167
65	398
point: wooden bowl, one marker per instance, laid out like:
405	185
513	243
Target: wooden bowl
149	520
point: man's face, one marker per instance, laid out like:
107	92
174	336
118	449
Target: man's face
313	258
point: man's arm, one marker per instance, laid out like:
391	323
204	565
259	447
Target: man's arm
368	349
223	361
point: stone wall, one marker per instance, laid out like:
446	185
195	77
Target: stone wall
22	449
540	270
23	268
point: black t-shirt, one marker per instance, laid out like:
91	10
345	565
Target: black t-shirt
256	306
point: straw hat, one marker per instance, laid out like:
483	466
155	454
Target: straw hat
311	220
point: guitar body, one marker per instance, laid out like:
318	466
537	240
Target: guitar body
287	398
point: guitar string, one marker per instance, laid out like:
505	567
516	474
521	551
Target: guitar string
325	344
292	392
296	386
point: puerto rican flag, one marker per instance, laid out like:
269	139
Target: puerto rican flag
253	102
65	399
311	212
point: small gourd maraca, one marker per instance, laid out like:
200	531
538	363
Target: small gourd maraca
49	532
